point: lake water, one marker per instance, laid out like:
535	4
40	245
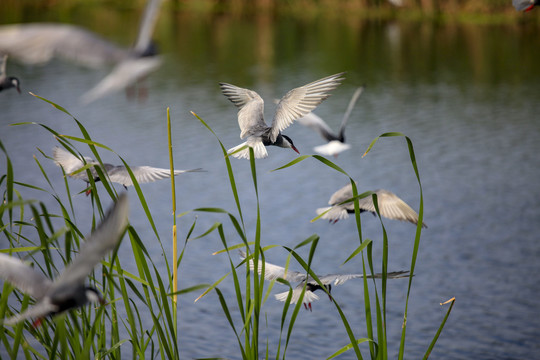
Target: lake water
466	95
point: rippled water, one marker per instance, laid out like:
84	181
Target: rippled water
465	95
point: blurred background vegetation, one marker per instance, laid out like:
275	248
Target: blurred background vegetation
438	10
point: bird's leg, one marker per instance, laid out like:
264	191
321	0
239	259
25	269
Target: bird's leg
89	189
335	221
37	322
309	305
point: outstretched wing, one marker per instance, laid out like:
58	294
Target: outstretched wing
3	61
97	245
71	163
301	101
390	206
523	5
147	25
316	123
39	310
338	279
250	109
23	276
354	98
143	174
125	74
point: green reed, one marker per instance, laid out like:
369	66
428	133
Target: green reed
97	332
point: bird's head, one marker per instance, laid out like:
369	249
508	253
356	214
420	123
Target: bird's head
15	83
287	142
93	296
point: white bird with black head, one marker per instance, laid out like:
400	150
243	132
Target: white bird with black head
273	272
68	291
296	103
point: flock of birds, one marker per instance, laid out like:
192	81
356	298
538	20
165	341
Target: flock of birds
38	43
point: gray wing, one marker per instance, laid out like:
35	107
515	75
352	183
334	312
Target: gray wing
522	5
317	124
353	101
71	163
147	26
23	276
3	61
97	245
341	195
272	272
301	101
124	74
39	310
250	109
38	43
338	279
143	174
390	206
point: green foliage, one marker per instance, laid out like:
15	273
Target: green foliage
95	332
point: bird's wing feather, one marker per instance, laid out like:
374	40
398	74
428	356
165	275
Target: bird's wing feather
332	148
272	272
97	245
38	43
250	109
39	310
354	98
147	25
124	74
390	206
317	124
23	276
3	61
521	5
71	163
301	101
341	195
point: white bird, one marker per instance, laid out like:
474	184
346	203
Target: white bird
68	290
273	272
336	142
525	5
295	104
7	82
38	43
390	206
119	174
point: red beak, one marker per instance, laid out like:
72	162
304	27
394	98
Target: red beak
295	149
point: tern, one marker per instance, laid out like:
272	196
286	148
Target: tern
525	5
38	43
336	142
7	82
68	291
273	272
118	174
390	206
295	104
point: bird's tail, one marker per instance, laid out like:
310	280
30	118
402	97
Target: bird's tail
309	296
258	149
